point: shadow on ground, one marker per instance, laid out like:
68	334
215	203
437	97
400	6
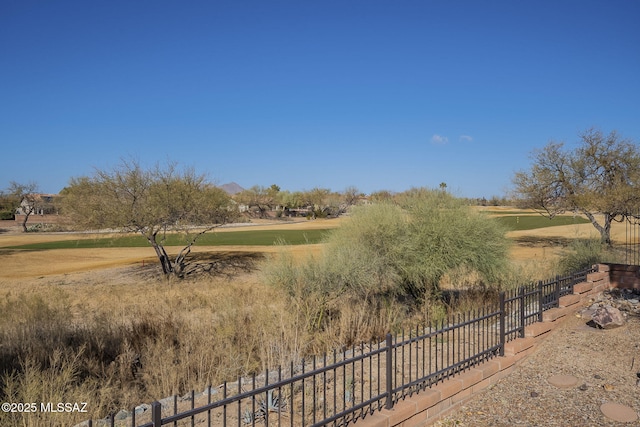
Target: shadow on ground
547	241
223	263
203	264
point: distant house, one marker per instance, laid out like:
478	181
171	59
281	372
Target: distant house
37	204
37	209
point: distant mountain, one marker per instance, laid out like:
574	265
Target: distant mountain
231	188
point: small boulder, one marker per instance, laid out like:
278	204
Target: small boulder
140	409
122	415
167	402
608	317
210	391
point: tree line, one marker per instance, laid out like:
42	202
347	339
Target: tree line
598	177
262	201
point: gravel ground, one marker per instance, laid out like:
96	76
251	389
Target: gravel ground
605	362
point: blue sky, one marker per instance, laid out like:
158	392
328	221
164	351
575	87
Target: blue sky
302	94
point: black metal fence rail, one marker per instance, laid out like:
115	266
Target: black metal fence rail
429	357
342	387
632	238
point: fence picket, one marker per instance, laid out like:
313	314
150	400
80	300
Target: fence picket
465	340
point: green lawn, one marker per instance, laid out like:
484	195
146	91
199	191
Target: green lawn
269	237
530	222
499	213
243	238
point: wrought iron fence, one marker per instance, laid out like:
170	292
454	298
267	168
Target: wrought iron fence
632	238
339	388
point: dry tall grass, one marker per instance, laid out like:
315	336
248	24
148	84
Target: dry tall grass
114	339
115	346
119	345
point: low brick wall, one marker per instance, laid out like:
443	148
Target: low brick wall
427	407
625	276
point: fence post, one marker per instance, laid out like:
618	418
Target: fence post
557	290
540	301
389	354
502	324
156	414
522	311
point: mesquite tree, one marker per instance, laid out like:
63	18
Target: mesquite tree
600	178
152	202
23	198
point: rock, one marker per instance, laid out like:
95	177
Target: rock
210	391
563	381
121	415
587	313
534	394
142	408
583	387
625	306
608	317
609	387
167	402
618	412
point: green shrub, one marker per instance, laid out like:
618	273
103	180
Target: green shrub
405	249
447	235
6	215
392	253
583	253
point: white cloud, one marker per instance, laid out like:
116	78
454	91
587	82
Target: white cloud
439	139
465	138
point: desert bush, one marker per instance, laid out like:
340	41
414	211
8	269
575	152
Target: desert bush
402	249
390	258
446	235
583	253
6	215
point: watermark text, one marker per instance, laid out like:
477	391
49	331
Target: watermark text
32	407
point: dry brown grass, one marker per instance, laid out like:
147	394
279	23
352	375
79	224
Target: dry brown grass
149	339
32	264
540	245
101	326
